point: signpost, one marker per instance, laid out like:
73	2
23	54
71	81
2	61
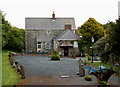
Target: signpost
92	48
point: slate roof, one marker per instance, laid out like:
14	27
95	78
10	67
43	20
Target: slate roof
67	35
66	43
48	23
45	38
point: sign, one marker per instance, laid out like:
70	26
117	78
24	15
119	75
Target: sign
75	44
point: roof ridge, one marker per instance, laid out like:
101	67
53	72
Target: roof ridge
49	18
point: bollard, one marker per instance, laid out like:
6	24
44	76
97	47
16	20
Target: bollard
12	61
22	72
81	70
10	55
16	67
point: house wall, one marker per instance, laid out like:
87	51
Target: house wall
31	42
31	36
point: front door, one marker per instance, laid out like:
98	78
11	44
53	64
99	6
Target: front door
65	51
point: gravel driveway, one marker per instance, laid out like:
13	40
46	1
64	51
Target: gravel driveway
41	70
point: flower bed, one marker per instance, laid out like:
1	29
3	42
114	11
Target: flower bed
55	55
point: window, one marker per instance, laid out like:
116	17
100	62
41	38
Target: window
48	46
39	45
39	42
48	32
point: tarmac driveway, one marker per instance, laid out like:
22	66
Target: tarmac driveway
41	70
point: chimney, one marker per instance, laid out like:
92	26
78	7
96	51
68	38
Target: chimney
68	25
53	16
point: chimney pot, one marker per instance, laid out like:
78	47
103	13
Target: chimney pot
53	16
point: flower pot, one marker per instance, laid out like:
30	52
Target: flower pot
88	79
22	53
9	58
74	56
33	54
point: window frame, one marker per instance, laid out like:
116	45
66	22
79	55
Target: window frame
39	44
48	45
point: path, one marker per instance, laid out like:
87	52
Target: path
42	71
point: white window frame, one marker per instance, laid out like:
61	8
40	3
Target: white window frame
38	45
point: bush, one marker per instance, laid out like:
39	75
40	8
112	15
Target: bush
88	78
55	56
85	62
89	57
104	83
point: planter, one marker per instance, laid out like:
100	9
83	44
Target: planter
74	57
55	59
22	53
88	79
33	53
9	58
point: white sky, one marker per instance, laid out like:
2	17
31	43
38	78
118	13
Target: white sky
102	10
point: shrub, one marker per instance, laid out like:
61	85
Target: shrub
89	57
74	54
55	56
88	78
23	50
85	62
104	83
86	54
33	51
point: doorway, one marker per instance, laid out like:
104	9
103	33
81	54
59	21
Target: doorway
65	51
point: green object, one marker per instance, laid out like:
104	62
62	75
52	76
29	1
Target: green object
89	57
81	70
55	56
104	83
73	54
88	78
22	72
9	76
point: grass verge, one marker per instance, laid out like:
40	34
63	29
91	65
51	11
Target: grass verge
9	76
116	68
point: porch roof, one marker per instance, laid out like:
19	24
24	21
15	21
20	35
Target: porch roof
66	43
67	35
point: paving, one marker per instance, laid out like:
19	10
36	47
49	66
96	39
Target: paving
40	70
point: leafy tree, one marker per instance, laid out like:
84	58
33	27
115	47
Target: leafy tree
110	44
17	39
91	28
5	30
13	38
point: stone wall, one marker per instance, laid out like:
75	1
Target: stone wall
31	36
31	41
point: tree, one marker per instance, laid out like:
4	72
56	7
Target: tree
91	28
13	38
110	48
6	27
16	39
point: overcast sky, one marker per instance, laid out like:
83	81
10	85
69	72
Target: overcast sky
102	10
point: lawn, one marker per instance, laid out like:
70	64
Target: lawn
9	76
116	68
